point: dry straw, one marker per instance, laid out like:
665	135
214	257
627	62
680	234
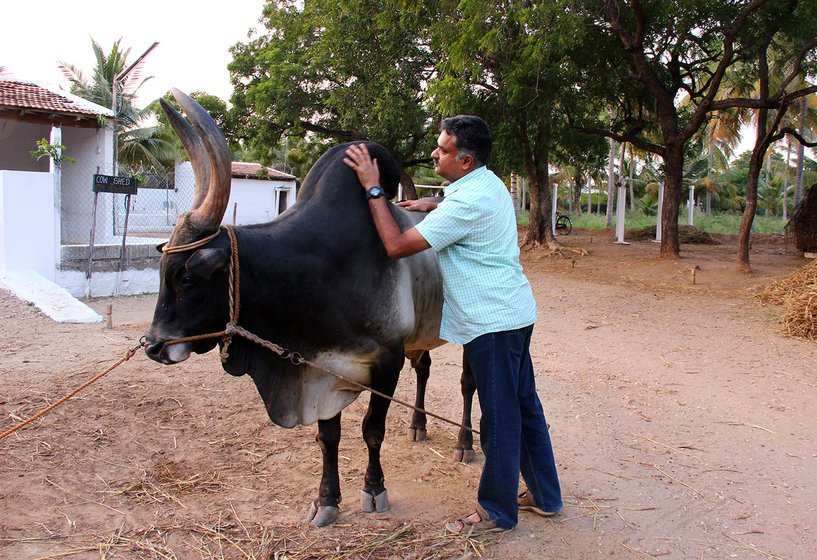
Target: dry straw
686	234
797	293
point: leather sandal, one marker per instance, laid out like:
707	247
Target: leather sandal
475	524
526	503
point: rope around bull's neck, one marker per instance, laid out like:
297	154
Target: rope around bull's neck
233	329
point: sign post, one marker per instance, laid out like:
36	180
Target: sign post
112	184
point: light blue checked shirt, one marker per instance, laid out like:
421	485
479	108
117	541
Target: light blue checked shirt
473	231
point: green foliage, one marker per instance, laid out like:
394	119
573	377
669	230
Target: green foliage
149	146
722	222
163	143
53	151
331	71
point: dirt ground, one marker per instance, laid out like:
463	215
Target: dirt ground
683	424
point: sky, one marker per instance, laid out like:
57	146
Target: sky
192	55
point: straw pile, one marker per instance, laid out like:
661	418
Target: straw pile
797	293
686	234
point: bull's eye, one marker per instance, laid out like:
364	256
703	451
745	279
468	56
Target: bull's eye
187	279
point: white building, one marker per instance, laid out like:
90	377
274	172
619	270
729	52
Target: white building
54	225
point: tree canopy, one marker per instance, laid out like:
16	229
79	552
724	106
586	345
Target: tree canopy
553	79
339	71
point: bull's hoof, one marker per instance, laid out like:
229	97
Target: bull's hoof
370	504
464	455
417	434
321	516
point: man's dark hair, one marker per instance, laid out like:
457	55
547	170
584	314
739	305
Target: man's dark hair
473	137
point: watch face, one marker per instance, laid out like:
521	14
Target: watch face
375	192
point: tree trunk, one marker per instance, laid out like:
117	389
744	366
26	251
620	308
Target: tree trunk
673	178
786	179
540	230
709	161
632	170
409	192
577	195
801	153
755	164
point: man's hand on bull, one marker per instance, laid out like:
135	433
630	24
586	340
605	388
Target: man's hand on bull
422	205
363	164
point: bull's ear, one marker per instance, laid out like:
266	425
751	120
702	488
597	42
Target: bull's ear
205	262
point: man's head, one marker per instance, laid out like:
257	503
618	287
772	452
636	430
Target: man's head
464	144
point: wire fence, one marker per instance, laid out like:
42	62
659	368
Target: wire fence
89	217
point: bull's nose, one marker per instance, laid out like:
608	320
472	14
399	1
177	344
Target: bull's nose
154	351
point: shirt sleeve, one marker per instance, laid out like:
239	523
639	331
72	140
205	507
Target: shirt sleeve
448	223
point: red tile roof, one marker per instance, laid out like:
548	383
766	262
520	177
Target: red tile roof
245	170
30	97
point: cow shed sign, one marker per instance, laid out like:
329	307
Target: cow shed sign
114	184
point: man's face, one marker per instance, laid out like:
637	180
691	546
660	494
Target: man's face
446	164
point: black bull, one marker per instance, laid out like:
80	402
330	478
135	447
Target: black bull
317	281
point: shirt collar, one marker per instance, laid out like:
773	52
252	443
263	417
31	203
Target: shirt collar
455	186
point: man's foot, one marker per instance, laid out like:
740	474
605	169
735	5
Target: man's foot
475	524
526	503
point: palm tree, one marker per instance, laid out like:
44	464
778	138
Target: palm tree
150	146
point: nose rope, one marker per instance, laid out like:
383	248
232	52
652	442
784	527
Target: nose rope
125	357
233	329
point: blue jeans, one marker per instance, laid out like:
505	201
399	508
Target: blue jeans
513	431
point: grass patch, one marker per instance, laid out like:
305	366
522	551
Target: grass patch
726	223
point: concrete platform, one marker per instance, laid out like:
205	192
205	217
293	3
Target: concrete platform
53	300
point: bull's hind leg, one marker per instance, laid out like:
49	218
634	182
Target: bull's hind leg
384	379
421	362
464	450
324	510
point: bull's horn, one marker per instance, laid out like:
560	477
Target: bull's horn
194	148
209	213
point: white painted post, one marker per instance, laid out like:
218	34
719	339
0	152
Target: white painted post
660	212
621	208
691	205
554	199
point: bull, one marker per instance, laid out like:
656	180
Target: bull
316	280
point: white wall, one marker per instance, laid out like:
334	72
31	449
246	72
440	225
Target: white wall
27	225
253	201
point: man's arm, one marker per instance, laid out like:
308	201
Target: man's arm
397	243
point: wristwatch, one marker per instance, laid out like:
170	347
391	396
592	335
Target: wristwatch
374	192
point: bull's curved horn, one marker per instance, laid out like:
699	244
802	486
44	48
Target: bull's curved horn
194	147
209	213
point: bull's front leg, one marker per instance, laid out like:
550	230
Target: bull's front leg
421	362
324	510
375	497
464	450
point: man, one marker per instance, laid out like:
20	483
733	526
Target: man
488	307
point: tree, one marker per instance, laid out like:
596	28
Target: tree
336	71
778	88
215	106
515	63
150	146
675	46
